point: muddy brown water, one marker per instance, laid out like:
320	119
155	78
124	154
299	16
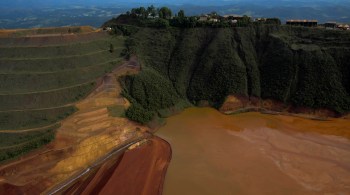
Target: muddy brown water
253	153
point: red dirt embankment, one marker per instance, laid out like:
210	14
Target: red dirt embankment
138	171
51	40
238	104
38	40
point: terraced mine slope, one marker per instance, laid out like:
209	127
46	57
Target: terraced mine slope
43	74
270	67
97	132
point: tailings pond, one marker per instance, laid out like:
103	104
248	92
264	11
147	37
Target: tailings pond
255	153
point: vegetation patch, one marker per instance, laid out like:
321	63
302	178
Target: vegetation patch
116	111
47	65
16	144
45	100
148	92
32	82
27	119
56	51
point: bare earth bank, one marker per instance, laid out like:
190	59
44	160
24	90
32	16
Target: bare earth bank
138	171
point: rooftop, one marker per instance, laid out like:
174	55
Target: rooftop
302	20
231	15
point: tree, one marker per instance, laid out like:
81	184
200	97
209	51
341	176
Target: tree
192	22
246	19
273	21
152	10
133	11
137	113
143	12
165	13
161	23
181	14
161	15
111	48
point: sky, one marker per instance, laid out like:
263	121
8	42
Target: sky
55	3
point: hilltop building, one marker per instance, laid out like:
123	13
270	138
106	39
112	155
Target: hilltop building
210	18
203	18
330	25
150	16
108	29
213	20
232	17
343	27
306	23
234	22
260	19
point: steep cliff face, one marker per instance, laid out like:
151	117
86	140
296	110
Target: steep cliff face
298	66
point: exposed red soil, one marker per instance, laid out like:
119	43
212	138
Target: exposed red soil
138	171
45	31
236	103
53	39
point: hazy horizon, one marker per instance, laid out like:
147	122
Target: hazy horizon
52	3
43	13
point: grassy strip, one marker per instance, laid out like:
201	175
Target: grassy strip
58	51
11	84
46	31
115	60
51	40
32	119
61	64
56	57
28	143
46	99
11	140
116	111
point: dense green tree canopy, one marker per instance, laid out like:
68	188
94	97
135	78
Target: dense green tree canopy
165	13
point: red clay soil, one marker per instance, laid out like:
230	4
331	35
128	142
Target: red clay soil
138	171
54	39
236	103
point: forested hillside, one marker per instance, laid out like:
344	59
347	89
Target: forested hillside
298	66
